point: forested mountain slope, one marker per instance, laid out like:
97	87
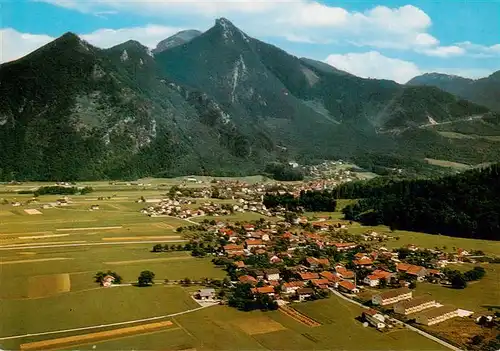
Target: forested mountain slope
484	91
219	102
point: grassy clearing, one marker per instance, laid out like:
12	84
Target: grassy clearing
87	308
443	163
477	297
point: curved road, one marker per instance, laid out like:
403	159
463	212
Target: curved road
421	332
102	325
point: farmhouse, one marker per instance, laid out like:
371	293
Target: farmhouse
247	279
272	274
363	262
345	246
437	315
374	278
314	262
292	287
374	318
344	273
414	305
348	287
264	290
205	294
392	296
332	278
418	272
320	283
306	276
304	293
107	281
254	244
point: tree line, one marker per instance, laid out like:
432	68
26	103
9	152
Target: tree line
464	205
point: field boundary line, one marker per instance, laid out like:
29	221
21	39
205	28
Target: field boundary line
44	246
102	325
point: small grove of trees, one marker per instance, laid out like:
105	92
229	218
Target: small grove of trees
243	299
459	280
173	247
283	172
61	190
146	278
99	277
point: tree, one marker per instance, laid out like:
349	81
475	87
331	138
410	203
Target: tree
458	281
186	281
477	340
383	283
146	278
413	284
157	248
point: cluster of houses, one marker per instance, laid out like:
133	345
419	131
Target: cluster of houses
423	309
175	208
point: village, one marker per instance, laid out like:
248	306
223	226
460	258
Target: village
272	264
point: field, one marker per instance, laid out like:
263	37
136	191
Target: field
48	260
479	296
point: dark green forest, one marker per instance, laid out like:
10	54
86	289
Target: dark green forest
464	205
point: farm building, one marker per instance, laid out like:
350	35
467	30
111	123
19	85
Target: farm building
392	296
374	318
107	281
304	293
437	315
205	294
348	287
414	305
272	274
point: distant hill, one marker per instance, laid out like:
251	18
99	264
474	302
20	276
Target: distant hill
219	103
484	91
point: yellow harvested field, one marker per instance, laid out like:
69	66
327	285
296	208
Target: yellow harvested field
43	236
164	259
6	213
27	253
118	238
45	243
32	211
86	338
259	325
163	225
89	228
46	285
36	260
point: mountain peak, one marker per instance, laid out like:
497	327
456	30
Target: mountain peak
179	38
229	30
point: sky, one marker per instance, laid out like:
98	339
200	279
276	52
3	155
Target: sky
387	39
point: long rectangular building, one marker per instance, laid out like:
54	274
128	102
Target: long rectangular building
414	305
391	296
437	315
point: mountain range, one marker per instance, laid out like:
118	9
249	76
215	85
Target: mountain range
218	102
484	91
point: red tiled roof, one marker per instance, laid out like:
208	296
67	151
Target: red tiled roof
381	274
263	290
347	285
254	242
233	247
319	282
330	276
308	275
247	279
239	264
297	284
363	262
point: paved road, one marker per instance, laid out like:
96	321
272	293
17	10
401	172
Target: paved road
43	246
421	332
102	325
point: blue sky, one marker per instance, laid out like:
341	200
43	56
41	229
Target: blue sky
381	39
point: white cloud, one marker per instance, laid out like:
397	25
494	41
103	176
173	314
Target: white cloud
15	45
403	27
444	51
375	65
